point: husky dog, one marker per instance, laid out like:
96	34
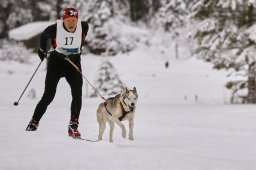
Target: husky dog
116	109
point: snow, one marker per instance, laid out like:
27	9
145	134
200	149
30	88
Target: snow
251	33
207	25
29	30
182	121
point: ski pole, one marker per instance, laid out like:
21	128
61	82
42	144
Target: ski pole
78	69
17	102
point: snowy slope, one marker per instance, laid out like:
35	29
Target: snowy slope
181	122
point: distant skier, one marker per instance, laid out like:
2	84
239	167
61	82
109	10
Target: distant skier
67	37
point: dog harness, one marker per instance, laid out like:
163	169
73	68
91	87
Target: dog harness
124	113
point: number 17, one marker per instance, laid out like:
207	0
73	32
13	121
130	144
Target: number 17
70	41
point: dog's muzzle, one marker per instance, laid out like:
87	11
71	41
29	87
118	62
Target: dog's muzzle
132	108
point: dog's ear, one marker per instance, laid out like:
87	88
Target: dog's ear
126	90
134	90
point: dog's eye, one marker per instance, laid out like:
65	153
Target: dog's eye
129	98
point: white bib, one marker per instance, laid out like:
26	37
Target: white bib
68	42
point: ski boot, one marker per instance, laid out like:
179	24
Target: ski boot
72	129
32	126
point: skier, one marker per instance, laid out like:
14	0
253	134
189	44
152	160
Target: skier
67	37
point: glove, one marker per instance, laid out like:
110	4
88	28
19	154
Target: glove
41	54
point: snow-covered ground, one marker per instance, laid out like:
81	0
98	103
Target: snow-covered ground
182	121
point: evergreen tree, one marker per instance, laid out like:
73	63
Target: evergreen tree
104	17
14	13
45	10
225	37
172	14
107	80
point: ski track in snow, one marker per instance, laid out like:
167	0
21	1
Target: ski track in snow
171	133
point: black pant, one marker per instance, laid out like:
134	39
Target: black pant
57	68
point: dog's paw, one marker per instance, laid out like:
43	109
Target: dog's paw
131	138
111	140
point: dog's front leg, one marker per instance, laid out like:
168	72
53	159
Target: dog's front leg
119	123
131	124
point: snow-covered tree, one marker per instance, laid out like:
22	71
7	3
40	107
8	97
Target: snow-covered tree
107	80
172	15
12	14
225	36
106	20
13	51
106	17
44	10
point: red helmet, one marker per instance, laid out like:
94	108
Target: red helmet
70	12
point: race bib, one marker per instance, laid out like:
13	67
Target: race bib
68	42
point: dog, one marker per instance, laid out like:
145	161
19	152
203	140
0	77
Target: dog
117	109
